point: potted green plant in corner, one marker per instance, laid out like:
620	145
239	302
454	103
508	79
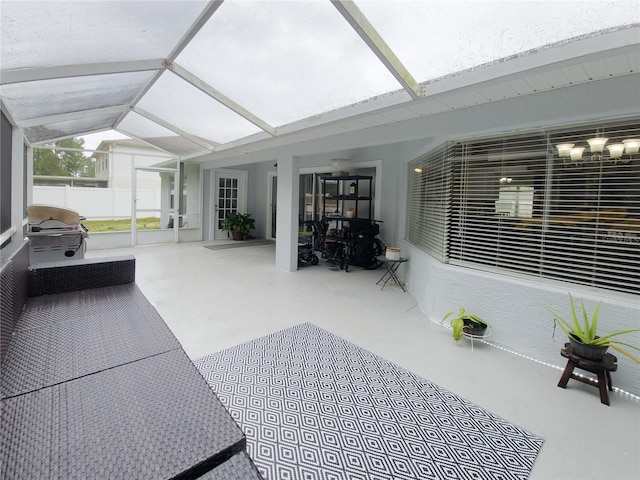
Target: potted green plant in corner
582	333
463	322
239	224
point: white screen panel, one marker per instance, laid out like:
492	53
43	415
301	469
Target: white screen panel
51	97
42	34
179	146
71	128
437	38
183	105
139	127
285	61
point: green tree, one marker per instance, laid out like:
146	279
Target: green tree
63	162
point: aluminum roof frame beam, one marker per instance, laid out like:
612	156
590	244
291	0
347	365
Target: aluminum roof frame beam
196	26
372	38
64	117
220	97
195	139
8	77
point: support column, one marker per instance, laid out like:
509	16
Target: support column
287	214
29	174
19	186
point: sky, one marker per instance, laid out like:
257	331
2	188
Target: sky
92	141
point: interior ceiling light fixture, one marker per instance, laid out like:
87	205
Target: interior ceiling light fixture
339	166
571	153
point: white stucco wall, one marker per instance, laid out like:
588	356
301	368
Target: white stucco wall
513	307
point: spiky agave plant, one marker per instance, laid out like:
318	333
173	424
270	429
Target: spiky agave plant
585	329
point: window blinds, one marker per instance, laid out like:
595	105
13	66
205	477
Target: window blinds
512	204
429	201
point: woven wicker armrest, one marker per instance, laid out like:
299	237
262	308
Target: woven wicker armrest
238	467
14	259
71	275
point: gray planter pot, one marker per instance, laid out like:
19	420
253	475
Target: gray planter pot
591	352
472	328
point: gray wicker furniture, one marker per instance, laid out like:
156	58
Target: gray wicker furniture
95	385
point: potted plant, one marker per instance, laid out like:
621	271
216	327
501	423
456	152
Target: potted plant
582	333
461	321
239	224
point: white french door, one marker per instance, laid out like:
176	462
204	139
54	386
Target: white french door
228	195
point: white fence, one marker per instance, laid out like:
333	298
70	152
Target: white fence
98	203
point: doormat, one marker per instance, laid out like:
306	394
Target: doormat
315	406
241	243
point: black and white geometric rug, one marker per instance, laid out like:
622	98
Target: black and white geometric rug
316	407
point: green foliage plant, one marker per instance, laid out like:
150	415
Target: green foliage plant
457	321
584	329
239	222
62	162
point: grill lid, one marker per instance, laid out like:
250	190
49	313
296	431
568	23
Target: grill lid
49	216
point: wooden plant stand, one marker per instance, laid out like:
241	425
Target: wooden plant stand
602	368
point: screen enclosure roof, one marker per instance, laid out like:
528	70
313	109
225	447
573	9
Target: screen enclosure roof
193	78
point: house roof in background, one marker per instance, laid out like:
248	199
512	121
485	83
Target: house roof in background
198	79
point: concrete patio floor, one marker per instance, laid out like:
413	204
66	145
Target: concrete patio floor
216	299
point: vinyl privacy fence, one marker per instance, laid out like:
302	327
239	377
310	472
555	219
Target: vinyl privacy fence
98	203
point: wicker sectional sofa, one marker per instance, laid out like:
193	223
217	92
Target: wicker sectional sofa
95	385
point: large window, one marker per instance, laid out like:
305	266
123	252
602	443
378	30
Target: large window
518	204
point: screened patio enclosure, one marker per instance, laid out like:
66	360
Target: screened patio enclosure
246	86
216	82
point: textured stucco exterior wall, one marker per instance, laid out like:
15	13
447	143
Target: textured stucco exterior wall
513	307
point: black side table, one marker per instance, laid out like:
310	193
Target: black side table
390	273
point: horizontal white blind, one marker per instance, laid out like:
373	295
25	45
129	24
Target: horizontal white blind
428	201
513	204
497	189
592	233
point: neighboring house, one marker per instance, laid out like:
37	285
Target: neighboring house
115	160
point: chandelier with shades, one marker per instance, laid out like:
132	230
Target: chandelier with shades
623	151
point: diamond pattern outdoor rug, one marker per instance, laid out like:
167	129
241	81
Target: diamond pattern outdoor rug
316	407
